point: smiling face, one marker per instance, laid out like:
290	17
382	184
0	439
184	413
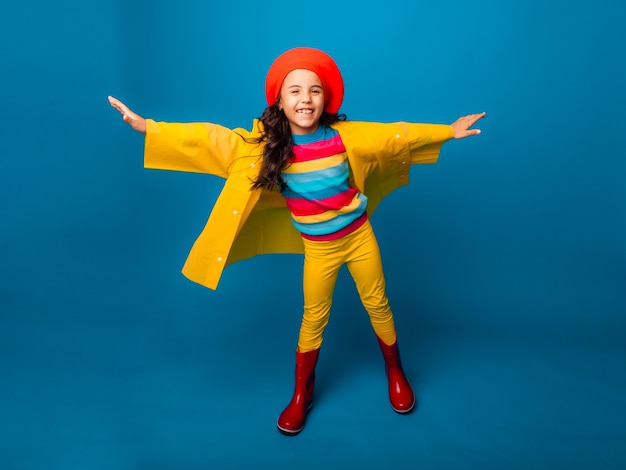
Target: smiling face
302	100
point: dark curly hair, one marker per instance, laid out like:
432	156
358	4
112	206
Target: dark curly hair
277	151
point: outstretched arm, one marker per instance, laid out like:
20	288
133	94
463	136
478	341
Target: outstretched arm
463	124
133	119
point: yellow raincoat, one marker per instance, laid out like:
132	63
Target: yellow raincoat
245	222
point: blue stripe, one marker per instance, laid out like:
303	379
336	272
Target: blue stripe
319	179
322	133
317	195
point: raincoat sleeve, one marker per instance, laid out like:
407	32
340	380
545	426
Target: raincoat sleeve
194	147
381	154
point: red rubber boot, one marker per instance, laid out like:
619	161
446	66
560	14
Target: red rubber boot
291	420
400	393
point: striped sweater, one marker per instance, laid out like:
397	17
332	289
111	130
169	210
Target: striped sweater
323	203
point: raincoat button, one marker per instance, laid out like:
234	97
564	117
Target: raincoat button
397	136
235	212
219	258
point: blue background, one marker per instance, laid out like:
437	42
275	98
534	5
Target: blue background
505	262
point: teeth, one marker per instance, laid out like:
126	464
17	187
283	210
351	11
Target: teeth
305	111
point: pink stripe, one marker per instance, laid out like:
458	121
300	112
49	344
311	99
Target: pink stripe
301	206
307	152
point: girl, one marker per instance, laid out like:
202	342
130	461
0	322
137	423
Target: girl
303	180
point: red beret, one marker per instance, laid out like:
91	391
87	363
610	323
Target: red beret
309	59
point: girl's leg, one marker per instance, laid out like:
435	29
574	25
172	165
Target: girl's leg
321	265
322	261
365	266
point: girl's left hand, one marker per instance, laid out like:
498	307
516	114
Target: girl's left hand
462	125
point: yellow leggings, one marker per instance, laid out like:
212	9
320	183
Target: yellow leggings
322	261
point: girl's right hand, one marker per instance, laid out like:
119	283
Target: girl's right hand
133	119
